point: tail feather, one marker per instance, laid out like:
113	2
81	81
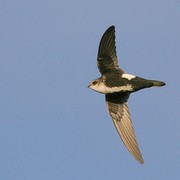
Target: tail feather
157	83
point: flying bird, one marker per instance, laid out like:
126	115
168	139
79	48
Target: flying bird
117	87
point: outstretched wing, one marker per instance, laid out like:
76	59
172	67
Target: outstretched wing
107	59
119	112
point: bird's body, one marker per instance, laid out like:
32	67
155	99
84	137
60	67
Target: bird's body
117	87
122	83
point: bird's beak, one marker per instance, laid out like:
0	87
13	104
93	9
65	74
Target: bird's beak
88	86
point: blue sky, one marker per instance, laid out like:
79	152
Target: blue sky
51	125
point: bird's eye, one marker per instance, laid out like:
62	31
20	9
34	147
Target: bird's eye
94	82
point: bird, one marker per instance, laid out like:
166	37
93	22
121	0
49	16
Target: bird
117	87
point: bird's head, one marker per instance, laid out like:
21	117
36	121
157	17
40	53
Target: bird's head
95	84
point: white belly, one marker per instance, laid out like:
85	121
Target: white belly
104	89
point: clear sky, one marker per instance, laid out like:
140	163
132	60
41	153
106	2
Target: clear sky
51	125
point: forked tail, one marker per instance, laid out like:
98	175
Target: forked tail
157	83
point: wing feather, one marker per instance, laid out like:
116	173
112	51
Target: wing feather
119	112
107	59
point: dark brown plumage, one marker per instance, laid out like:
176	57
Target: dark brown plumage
117	87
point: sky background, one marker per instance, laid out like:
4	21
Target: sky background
51	125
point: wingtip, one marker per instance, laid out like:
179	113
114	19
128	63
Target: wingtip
141	161
139	158
111	27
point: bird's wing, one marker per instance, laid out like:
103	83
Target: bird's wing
119	112
107	59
